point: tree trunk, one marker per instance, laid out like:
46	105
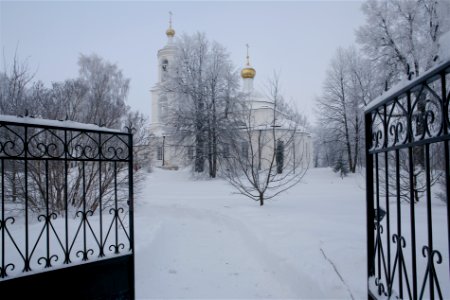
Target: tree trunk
347	134
214	154
210	151
199	158
213	135
14	188
348	145
261	199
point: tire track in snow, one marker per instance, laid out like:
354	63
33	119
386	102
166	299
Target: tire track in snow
337	272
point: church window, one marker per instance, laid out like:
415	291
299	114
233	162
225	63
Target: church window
279	156
190	152
164	67
159	153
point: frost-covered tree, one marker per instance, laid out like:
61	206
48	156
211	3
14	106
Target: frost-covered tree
97	96
15	82
14	89
202	84
347	88
401	37
107	90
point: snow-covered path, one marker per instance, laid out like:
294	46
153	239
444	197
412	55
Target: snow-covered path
198	253
195	239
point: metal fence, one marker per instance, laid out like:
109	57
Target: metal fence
408	187
66	201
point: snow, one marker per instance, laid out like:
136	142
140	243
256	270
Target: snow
196	239
55	123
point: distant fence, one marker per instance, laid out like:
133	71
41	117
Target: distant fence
408	188
66	200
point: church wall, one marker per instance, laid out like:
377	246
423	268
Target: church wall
155	109
262	141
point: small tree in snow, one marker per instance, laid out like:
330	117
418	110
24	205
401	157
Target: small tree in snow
266	159
341	167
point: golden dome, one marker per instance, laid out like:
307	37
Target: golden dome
170	32
248	72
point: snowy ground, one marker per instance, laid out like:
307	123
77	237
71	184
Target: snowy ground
195	239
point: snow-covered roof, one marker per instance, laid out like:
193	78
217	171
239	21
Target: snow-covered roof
443	62
55	123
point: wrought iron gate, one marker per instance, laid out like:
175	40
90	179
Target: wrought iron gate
66	224
408	188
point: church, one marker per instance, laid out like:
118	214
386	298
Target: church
267	125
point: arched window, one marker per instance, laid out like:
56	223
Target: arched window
164	68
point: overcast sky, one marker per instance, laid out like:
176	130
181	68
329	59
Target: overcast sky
296	39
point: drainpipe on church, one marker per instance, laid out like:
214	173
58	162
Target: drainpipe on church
259	150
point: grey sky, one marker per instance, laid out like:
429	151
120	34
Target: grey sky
297	39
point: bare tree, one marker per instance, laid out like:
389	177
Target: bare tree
14	85
14	99
269	157
97	96
401	37
388	185
347	88
142	139
107	90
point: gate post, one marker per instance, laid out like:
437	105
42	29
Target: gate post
131	211
370	201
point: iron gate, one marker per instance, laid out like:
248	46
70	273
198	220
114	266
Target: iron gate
66	210
408	187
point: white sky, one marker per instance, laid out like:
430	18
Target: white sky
296	39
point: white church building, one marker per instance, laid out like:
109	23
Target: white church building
169	154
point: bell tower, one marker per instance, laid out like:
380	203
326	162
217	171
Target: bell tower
165	58
163	153
166	54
